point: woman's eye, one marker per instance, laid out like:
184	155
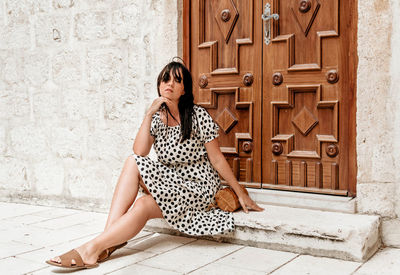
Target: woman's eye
166	78
177	78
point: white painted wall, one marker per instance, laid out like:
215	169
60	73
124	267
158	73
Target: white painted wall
76	77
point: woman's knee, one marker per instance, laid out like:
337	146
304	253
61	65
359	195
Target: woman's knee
144	202
130	163
147	204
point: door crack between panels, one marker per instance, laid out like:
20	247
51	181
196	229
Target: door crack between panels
284	264
216	260
261	115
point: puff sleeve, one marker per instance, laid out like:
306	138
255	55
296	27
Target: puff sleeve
209	130
154	125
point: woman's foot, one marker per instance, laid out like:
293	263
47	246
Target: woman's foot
87	252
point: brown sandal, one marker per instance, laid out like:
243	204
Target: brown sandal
66	261
105	254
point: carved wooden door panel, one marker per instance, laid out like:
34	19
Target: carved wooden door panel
287	109
308	97
225	57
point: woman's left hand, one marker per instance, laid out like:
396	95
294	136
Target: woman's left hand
246	202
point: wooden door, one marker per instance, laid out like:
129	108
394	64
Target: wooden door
308	97
287	109
225	61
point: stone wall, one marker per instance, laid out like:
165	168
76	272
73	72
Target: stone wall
75	79
77	75
378	114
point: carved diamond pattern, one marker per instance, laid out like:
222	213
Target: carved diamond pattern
227	27
226	120
305	121
305	20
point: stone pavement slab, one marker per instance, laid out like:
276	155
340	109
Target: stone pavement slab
45	237
143	270
386	261
27	219
218	269
257	259
70	220
16	266
311	265
52	213
159	243
12	209
248	260
12	248
191	256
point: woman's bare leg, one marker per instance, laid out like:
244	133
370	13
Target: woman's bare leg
125	191
121	230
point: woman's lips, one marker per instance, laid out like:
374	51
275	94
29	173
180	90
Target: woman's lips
168	90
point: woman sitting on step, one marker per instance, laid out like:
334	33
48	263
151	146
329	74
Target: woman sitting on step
178	187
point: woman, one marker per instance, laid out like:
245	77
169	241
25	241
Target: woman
179	186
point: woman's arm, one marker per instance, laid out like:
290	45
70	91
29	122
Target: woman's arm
144	140
219	162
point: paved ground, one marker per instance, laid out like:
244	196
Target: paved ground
31	234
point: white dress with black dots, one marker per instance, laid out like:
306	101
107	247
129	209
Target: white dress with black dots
182	180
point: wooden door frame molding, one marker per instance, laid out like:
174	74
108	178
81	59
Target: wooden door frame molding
352	104
186	32
352	132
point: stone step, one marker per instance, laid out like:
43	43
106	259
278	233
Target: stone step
304	200
343	236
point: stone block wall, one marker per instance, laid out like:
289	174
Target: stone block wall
378	114
76	77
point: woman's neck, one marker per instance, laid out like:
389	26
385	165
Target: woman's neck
172	113
173	108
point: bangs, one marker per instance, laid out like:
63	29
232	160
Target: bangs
176	72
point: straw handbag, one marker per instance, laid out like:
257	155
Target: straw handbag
227	199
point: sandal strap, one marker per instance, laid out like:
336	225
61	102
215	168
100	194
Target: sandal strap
106	253
66	259
103	255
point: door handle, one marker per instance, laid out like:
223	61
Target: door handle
266	17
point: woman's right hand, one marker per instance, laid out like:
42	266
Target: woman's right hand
155	106
144	140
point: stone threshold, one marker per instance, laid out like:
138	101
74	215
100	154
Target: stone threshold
304	200
343	236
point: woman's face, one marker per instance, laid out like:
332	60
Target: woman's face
171	87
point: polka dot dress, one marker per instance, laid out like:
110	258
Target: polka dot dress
182	180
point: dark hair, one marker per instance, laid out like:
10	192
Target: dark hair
185	104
